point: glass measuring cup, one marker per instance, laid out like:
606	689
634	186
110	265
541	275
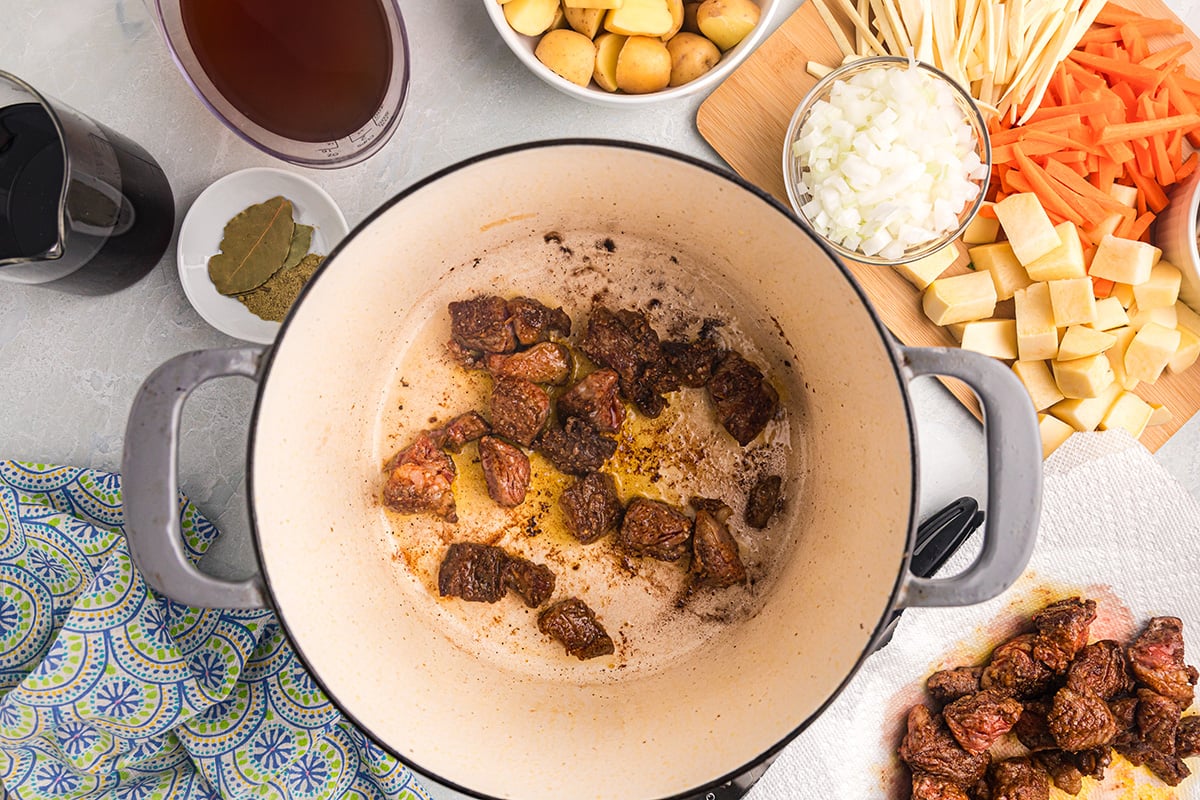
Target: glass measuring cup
82	208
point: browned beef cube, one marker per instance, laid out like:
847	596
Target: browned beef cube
533	322
420	478
656	372
692	362
1013	669
571	622
716	562
714	506
1157	720
1062	631
1092	763
595	399
482	323
1080	720
607	343
763	500
505	470
1101	668
978	720
1019	779
467	359
519	409
1156	657
462	429
655	529
947	685
929	747
1032	729
1169	767
1062	770
575	448
533	582
743	399
932	787
473	572
1124	711
590	506
545	362
1187	740
627	344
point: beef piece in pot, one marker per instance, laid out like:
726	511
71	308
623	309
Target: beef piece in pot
1062	770
1062	631
420	478
576	447
692	362
743	399
545	362
473	572
1031	729
625	343
716	562
933	787
1101	668
763	500
1013	669
467	359
1080	720
596	400
978	720
947	685
655	529
519	409
929	747
1156	658
505	470
571	622
656	373
590	506
533	322
1157	721
533	582
1019	779
462	429
1187	740
482	323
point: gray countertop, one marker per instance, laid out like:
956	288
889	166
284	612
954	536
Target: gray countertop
72	364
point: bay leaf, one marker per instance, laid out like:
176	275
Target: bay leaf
301	241
253	247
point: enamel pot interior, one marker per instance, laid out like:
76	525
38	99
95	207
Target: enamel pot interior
473	693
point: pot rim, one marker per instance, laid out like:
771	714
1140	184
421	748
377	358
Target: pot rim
884	334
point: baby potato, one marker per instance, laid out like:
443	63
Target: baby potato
608	48
727	22
691	57
530	17
676	9
569	54
640	18
585	20
643	65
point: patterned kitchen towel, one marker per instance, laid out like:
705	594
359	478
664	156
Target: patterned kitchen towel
109	691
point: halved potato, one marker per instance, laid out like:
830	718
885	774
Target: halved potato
530	17
569	54
727	22
585	20
643	65
608	47
691	56
676	9
640	18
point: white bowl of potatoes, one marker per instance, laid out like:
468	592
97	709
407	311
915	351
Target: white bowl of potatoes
631	52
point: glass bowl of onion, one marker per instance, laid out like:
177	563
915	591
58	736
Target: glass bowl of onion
887	160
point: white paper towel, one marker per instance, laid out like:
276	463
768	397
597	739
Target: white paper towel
1115	528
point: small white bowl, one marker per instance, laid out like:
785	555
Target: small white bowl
1175	234
523	46
200	239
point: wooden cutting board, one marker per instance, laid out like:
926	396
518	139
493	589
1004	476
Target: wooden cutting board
746	118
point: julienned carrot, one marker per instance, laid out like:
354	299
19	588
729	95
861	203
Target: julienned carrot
1123	132
1135	74
1156	199
1102	287
1182	103
1163	57
1043	188
1080	186
1046	112
1187	168
1141	226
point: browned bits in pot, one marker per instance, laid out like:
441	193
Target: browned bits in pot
534	322
519	409
420	478
545	362
742	398
591	507
763	500
655	529
595	400
571	622
482	323
505	469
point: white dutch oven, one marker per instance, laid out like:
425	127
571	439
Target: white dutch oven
515	717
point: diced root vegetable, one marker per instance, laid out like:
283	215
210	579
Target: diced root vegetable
1054	433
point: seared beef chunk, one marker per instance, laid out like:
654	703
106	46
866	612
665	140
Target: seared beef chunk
692	362
743	399
421	478
655	529
1013	670
595	399
533	582
482	324
1101	668
627	344
714	506
472	571
462	429
978	720
1169	767
505	469
764	497
1157	721
1124	711
608	344
948	685
1019	779
1156	657
1187	740
1061	768
1092	763
931	787
533	322
1062	631
545	362
575	447
656	372
716	562
573	623
590	506
929	747
1080	720
467	359
1032	730
519	409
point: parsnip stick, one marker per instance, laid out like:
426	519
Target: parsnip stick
835	29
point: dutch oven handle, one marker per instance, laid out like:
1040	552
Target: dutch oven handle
1014	462
151	480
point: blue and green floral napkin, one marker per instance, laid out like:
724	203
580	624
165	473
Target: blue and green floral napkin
109	691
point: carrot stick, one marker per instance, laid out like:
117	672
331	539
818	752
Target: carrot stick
1141	226
1082	108
1137	75
1102	287
1123	132
1182	103
1082	187
1187	168
1165	56
1155	199
1044	188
